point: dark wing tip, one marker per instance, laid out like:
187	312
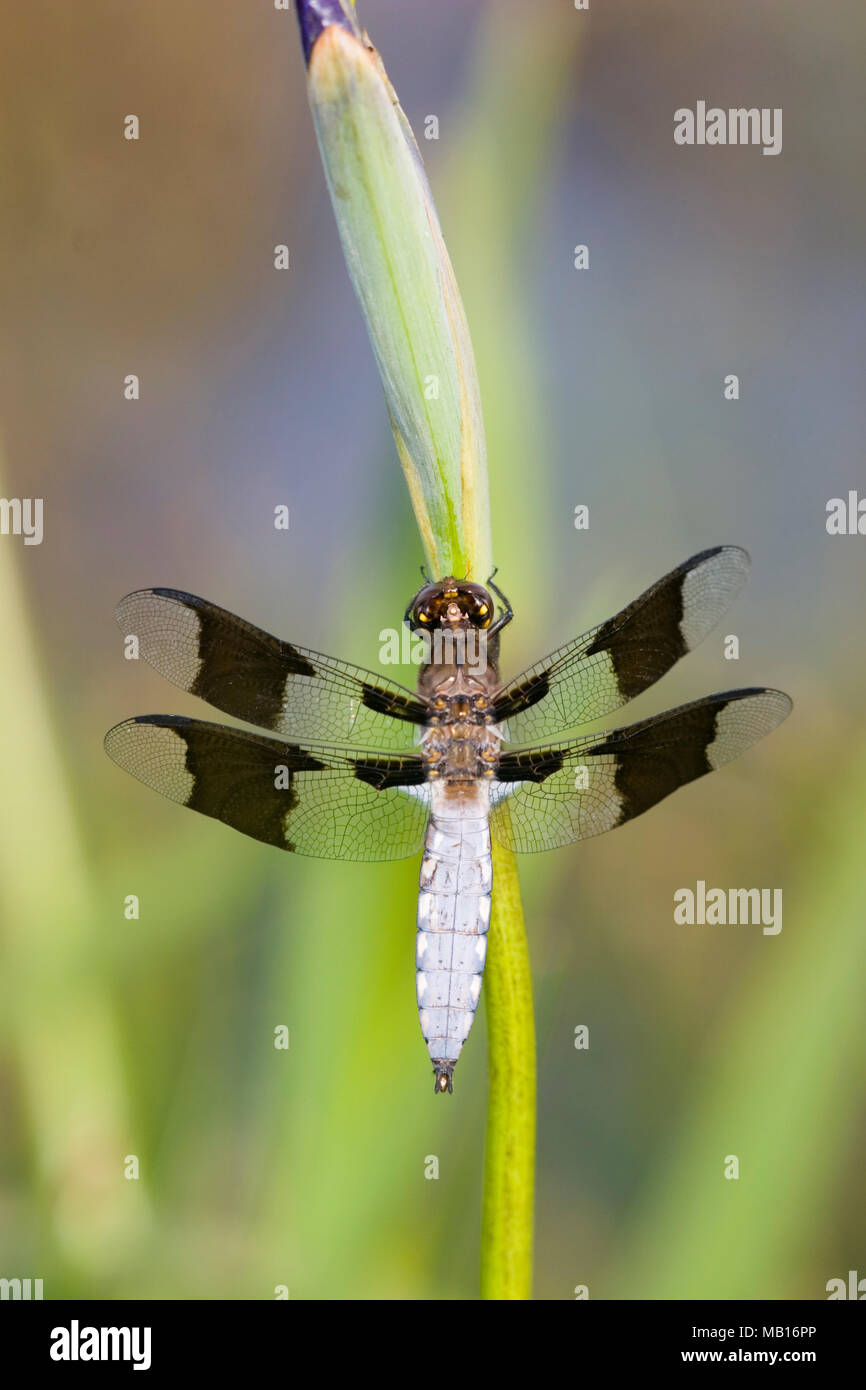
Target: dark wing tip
778	698
108	739
130	600
736	561
161	721
717	550
743	718
164	721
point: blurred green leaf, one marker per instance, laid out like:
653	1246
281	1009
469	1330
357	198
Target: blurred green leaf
775	1092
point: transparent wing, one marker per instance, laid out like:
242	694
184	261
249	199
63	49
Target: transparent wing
614	662
552	795
244	671
326	802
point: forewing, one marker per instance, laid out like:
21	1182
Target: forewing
244	671
329	803
614	662
552	795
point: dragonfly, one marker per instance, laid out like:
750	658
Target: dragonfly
363	768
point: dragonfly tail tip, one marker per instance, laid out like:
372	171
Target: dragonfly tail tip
443	1072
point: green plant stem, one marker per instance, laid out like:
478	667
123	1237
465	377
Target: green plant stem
409	297
506	1225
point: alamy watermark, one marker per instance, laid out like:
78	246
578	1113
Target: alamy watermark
443	646
711	907
22	516
77	1343
740	125
23	1289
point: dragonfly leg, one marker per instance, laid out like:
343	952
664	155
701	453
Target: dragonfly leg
508	612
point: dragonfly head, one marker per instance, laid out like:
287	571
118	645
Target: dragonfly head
450	603
443	1072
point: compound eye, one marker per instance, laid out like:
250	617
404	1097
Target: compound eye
482	615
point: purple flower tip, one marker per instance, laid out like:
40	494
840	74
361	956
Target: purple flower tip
314	16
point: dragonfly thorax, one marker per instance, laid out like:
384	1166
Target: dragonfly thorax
461	743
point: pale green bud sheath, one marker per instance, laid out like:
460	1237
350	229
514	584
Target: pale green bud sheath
403	277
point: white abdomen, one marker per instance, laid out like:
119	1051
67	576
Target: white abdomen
453	919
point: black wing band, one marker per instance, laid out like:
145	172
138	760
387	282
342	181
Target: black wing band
244	671
552	795
614	662
326	802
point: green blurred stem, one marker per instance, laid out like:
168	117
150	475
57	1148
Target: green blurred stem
506	1227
